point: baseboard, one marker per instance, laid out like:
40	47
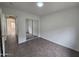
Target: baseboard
62	45
20	42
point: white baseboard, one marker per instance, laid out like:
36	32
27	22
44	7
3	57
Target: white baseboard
61	44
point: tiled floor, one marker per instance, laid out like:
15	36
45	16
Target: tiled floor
38	47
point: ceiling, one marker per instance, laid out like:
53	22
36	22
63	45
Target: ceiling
31	7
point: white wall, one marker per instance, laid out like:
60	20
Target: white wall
20	21
61	27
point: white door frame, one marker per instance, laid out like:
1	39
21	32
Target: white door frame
3	25
38	34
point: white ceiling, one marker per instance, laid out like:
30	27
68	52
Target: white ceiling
30	7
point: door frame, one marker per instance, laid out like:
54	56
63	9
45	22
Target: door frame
1	39
38	25
3	25
16	31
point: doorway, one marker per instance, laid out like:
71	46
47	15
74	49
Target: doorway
11	31
11	41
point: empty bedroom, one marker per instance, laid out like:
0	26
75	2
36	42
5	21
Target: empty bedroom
39	29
